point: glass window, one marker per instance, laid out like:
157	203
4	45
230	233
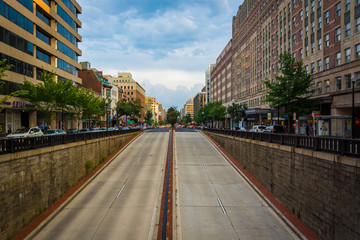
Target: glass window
15	41
16	17
338	59
347	55
43	37
301	15
319	23
27	3
301	34
319	87
312	67
41	14
65	66
19	66
326	40
338	9
319	65
312	48
357	47
64	32
327	86
338	83
347	5
42	56
327	17
65	16
348	81
69	4
66	50
326	66
338	35
319	44
347	29
357	27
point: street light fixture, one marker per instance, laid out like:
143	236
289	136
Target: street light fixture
353	106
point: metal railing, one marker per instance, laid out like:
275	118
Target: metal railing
341	146
23	144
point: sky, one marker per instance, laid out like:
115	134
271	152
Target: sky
166	45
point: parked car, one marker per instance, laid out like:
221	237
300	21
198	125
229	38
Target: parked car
53	132
242	129
258	128
72	130
26	132
84	130
274	129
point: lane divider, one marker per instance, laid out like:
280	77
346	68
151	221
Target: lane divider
221	205
165	220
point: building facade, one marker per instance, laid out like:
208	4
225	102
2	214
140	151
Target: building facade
325	35
132	89
208	83
199	102
189	108
36	35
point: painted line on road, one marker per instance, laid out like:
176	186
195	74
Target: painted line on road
121	191
203	166
139	159
222	206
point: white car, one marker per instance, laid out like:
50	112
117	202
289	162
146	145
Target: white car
258	128
26	132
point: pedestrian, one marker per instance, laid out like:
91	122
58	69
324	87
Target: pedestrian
307	129
9	131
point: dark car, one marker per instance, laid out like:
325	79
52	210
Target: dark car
274	129
72	130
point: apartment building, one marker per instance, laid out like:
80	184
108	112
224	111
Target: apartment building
132	89
36	35
189	108
199	102
325	35
208	83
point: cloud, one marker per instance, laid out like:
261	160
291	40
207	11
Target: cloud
164	43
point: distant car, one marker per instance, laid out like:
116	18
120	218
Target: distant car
26	133
72	130
242	129
125	128
97	130
258	128
53	132
84	130
274	129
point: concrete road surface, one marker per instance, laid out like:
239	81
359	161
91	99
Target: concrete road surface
122	201
214	201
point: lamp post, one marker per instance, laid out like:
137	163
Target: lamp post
106	109
353	106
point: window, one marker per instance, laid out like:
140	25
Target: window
18	66
327	17
338	35
347	5
16	17
326	40
65	49
319	3
307	11
69	5
319	65
41	14
338	10
357	47
43	37
347	55
312	67
294	21
357	77
65	66
307	68
338	83
301	54
326	66
312	6
294	39
347	29
338	59
15	41
327	86
301	34
42	56
307	51
312	48
65	16
27	4
301	15
319	44
357	27
348	81
319	23
65	33
319	87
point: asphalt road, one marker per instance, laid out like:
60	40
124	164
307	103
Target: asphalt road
122	201
214	201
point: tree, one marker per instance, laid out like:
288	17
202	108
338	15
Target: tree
148	117
211	112
186	119
172	115
291	90
237	111
129	108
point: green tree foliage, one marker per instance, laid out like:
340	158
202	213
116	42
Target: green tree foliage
291	90
211	112
186	119
129	108
237	111
172	115
148	117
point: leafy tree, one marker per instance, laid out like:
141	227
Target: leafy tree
211	112
172	115
291	90
237	111
129	108
148	117
186	119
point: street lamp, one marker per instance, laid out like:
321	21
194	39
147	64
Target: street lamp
353	106
106	109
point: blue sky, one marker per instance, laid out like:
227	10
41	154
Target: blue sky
166	45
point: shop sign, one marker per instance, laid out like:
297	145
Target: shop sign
269	116
18	104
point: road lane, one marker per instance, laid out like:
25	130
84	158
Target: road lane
121	202
214	201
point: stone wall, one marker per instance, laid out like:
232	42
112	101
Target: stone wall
31	181
321	189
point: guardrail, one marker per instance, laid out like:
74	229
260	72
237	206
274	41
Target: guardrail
23	144
341	146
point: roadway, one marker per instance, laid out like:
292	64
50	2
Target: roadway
121	202
212	199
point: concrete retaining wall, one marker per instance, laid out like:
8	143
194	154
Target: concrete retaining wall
321	189
31	181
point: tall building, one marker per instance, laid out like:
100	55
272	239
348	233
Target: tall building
189	108
199	102
325	35
132	89
153	106
35	36
208	83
